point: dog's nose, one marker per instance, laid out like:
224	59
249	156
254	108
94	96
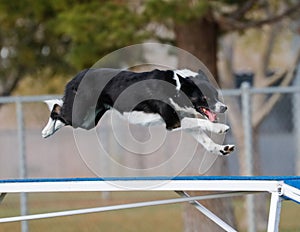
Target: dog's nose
223	109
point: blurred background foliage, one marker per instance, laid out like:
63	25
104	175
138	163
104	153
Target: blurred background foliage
45	40
51	38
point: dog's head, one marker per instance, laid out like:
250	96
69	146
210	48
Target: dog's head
204	96
208	103
55	121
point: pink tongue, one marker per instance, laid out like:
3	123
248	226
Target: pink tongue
211	116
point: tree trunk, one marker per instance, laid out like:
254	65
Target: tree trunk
199	37
260	200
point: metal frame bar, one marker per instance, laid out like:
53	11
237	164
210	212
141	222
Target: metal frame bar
274	213
291	192
2	196
277	188
248	143
224	92
22	160
144	185
118	207
207	213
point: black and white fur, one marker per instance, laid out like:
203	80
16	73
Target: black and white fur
141	105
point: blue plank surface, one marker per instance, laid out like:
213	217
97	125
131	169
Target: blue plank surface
291	180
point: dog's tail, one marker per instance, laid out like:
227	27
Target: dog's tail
51	103
53	123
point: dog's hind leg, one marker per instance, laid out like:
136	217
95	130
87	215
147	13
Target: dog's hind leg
210	145
99	114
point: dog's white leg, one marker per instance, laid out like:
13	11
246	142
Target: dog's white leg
198	123
209	145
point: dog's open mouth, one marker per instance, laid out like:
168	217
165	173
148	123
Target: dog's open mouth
209	114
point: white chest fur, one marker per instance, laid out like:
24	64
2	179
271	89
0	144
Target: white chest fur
141	118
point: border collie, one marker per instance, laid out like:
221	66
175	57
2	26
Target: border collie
178	99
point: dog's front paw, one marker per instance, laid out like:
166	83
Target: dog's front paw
227	149
220	128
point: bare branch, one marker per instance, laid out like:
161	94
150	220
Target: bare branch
227	47
241	11
269	104
226	74
11	86
269	81
267	48
264	60
10	83
230	24
270	42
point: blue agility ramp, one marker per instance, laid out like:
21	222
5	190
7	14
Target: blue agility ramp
279	187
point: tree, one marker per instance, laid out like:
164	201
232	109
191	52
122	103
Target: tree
27	44
97	28
60	36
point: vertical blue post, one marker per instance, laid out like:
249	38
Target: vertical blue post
247	126
22	160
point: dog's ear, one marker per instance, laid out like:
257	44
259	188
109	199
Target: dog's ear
54	104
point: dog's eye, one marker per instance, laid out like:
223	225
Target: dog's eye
204	98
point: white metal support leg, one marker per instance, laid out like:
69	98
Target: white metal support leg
208	213
274	214
2	195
